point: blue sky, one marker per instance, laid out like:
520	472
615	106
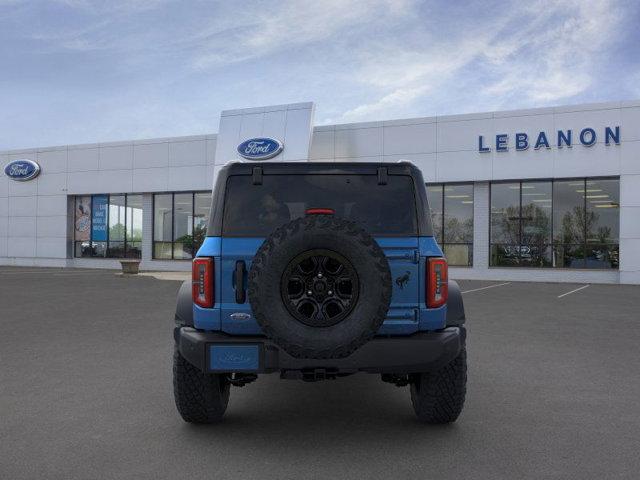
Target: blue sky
76	71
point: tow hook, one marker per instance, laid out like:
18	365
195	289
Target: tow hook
397	380
241	379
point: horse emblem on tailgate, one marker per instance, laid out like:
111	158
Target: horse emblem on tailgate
402	280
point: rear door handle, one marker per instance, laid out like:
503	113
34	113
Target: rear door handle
413	256
241	296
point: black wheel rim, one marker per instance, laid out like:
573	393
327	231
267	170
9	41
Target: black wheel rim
319	288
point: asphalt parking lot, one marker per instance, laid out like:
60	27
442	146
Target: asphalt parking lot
85	392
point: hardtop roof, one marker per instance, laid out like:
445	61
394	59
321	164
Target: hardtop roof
320	168
364	168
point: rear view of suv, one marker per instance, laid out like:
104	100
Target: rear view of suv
317	271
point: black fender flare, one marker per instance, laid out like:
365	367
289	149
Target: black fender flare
184	306
455	306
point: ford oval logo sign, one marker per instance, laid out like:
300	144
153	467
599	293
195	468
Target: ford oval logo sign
22	170
260	148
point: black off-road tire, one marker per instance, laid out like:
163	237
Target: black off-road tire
438	397
200	397
320	232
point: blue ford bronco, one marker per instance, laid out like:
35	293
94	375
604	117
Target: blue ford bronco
317	271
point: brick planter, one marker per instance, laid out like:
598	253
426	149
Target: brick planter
130	266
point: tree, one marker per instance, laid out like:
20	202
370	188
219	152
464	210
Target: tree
116	232
525	232
577	222
456	231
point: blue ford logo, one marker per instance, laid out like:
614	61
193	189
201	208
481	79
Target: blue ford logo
22	170
260	148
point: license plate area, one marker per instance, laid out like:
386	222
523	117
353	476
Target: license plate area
229	357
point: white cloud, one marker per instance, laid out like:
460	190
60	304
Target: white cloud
556	63
633	84
261	32
159	68
543	52
404	77
397	98
120	6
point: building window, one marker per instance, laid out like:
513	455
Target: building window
133	231
451	208
521	224
182	225
108	226
179	224
586	223
565	224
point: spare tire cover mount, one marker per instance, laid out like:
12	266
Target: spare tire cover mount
319	287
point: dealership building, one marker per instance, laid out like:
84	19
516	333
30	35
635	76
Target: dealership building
548	194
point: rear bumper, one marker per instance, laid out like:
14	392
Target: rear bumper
420	352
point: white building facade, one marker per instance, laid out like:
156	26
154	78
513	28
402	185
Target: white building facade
550	194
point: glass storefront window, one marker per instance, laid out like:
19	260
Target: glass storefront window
458	224
117	220
569	223
564	223
99	227
505	224
201	206
180	224
602	225
451	208
183	225
134	226
536	200
434	195
108	226
82	226
603	209
162	225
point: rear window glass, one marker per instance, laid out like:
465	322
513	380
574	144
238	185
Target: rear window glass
257	210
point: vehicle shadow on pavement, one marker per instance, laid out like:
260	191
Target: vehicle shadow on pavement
359	406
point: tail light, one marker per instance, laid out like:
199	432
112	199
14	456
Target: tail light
437	282
202	282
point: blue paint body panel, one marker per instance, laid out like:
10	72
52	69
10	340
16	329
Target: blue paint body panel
211	247
233	357
407	259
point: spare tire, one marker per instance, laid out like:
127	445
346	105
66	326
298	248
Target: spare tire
320	287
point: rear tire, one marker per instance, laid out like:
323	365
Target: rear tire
438	397
200	397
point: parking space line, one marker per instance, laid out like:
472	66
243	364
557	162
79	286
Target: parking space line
32	272
76	274
485	288
573	291
56	273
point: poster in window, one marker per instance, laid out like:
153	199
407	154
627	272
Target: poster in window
83	219
99	218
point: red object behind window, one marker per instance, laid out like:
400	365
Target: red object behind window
320	211
437	282
202	282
